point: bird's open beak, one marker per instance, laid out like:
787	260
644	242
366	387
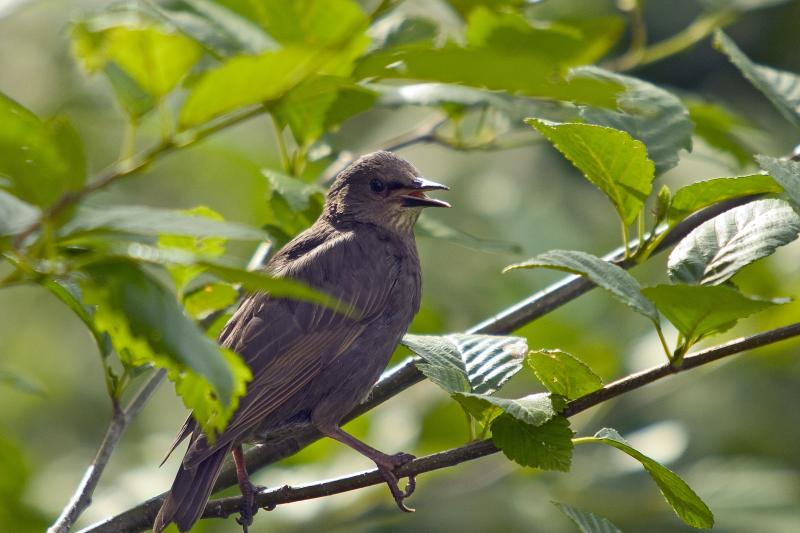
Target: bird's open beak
414	196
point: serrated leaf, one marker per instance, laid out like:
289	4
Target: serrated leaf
15	215
534	409
563	374
721	128
611	159
784	171
40	160
143	220
435	229
587	522
680	496
781	87
715	250
147	325
468	363
608	276
649	113
548	446
698	195
701	310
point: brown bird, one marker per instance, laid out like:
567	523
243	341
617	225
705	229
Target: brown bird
310	364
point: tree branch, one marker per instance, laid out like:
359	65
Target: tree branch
406	374
120	419
141	517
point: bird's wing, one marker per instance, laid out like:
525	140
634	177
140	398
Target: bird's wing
286	343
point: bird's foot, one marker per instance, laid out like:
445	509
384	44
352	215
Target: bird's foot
387	467
249	507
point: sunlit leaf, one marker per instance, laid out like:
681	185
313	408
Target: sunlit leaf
564	374
548	446
786	172
587	522
720	247
698	195
611	159
534	409
701	310
608	276
649	113
209	298
680	496
468	363
781	87
40	160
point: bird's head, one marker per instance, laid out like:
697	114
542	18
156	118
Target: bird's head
382	189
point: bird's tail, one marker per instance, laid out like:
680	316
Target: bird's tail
190	492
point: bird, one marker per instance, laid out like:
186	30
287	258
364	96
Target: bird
311	364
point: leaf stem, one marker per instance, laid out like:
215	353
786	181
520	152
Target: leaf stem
664	344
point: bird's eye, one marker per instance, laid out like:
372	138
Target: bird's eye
377	185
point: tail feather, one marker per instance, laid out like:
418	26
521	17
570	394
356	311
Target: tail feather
190	491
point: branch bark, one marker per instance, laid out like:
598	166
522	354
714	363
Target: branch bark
140	518
120	419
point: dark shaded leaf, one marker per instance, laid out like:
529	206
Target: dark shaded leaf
720	128
786	172
714	251
548	446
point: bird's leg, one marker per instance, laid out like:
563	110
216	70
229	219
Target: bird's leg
387	464
248	490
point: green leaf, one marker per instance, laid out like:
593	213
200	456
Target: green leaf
397	29
717	249
435	229
143	220
69	292
15	215
683	500
437	95
649	113
701	194
786	172
219	29
564	374
468	363
320	104
611	159
701	310
41	160
535	409
548	446
608	276
587	522
297	193
154	56
574	43
782	88
530	71
209	298
720	128
147	325
314	22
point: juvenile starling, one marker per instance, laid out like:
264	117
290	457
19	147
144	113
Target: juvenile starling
310	364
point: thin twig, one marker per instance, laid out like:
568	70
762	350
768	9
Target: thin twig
406	374
140	518
120	420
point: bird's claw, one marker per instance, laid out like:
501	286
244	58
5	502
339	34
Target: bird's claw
249	507
388	472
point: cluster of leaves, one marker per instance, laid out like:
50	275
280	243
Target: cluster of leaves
143	280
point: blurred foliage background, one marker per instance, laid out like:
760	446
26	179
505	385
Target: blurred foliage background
730	429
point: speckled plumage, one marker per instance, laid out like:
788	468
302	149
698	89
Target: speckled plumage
312	365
